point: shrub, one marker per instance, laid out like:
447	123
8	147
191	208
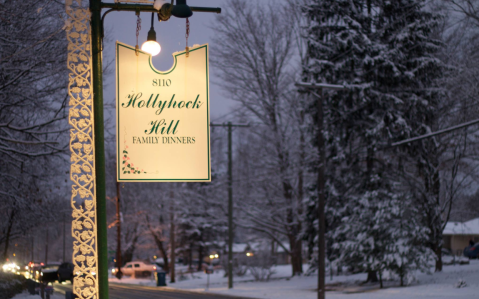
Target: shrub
11	284
260	265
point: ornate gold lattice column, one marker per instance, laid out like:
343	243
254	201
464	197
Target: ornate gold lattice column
82	172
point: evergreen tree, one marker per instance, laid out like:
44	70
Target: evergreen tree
407	73
383	52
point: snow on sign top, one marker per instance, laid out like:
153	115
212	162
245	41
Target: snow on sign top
135	1
156	3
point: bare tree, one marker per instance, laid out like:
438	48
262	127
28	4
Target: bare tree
33	127
257	47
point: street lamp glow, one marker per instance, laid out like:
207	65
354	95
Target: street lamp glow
151	47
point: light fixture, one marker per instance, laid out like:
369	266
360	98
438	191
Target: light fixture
181	9
151	46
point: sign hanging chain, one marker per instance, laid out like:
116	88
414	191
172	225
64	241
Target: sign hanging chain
187	35
137	49
138	28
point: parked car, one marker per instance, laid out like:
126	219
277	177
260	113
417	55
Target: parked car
34	270
49	273
65	272
472	252
144	268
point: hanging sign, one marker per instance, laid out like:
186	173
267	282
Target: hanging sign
162	117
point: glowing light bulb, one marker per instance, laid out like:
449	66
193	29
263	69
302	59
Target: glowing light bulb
151	47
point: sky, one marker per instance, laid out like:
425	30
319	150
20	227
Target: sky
121	26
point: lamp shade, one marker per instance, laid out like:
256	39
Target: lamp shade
181	9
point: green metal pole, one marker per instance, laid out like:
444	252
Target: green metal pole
230	208
102	250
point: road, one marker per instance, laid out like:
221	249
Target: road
121	291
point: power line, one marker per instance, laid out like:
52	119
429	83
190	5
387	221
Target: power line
453	128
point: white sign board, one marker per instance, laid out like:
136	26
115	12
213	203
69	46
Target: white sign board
162	117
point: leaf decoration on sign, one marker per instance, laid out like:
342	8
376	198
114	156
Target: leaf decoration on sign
129	166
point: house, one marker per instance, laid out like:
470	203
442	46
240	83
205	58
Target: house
456	235
244	250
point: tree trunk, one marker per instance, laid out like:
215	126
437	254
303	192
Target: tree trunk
127	256
9	232
372	276
200	257
401	275
159	244
330	270
380	280
164	254
438	258
172	243
296	255
190	257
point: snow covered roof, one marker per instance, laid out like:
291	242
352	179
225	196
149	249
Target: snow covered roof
239	247
470	227
254	246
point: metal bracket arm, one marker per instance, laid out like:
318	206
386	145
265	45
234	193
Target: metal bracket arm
150	8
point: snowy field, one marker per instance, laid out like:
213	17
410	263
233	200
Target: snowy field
436	285
26	295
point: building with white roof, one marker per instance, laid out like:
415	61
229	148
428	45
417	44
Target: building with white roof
458	234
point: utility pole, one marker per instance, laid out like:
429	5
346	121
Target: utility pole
230	207
118	273
46	248
99	146
172	240
230	126
320	194
320	181
64	224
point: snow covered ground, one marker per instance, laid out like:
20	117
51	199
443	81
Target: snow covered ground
26	295
280	286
